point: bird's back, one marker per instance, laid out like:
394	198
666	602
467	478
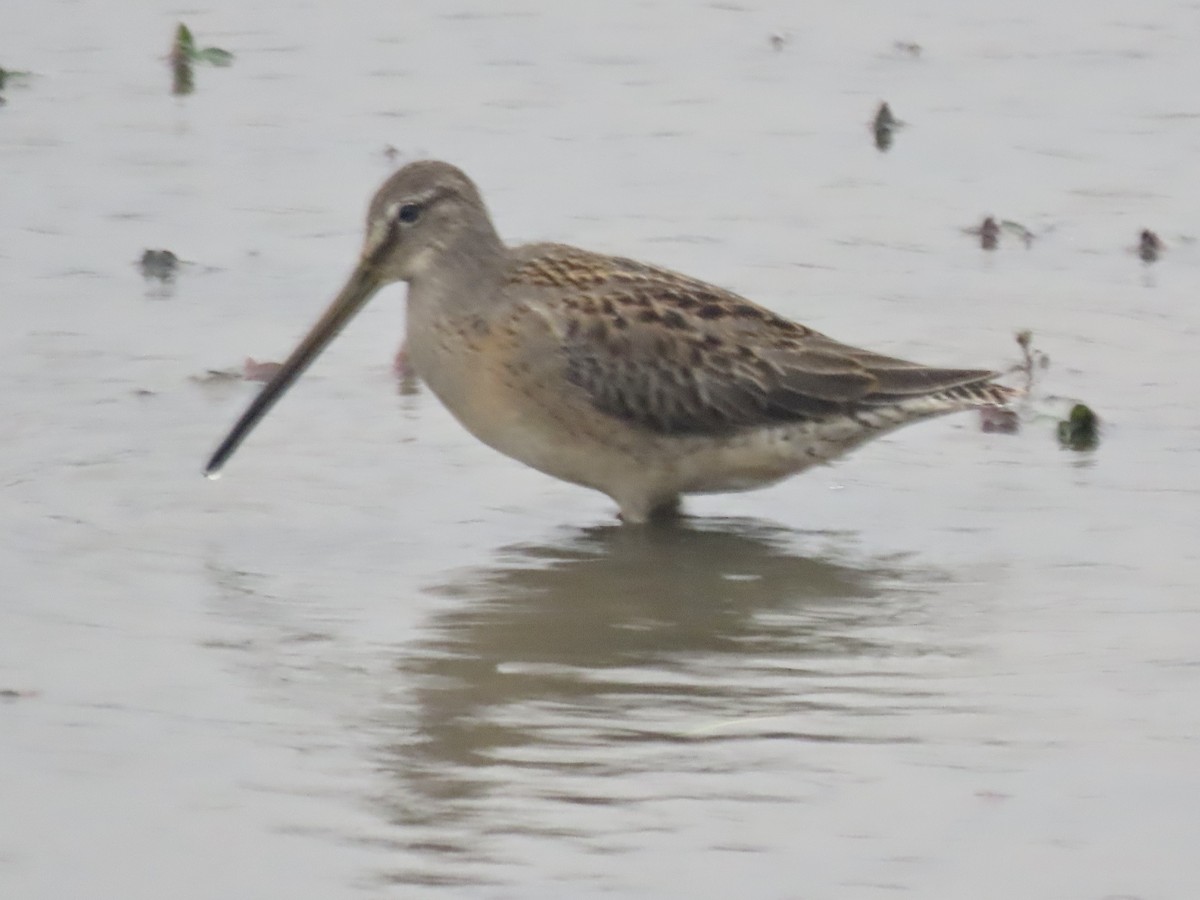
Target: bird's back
660	351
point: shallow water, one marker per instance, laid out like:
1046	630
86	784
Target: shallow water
376	658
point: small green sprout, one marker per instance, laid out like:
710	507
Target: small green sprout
1080	430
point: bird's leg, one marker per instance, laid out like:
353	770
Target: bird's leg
650	510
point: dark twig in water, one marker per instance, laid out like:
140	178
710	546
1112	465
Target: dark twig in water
1150	246
883	126
1004	419
159	265
1031	359
989	231
1079	431
217	376
13	694
6	74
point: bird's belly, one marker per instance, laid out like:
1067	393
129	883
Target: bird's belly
540	419
740	463
760	457
579	445
569	440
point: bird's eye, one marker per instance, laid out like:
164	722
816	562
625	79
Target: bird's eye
408	213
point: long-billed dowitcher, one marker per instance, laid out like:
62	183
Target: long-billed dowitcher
610	373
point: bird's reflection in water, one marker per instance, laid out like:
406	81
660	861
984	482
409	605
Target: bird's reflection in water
569	667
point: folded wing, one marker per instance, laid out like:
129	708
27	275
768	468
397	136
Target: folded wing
679	356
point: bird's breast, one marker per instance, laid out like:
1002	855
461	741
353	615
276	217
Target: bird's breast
504	382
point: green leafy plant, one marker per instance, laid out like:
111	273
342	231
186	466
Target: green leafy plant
16	76
185	54
186	45
1080	430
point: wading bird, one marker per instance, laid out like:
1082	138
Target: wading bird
609	373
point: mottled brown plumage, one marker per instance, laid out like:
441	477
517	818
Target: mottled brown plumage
607	372
679	356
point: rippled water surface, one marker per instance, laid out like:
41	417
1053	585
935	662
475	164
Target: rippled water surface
378	659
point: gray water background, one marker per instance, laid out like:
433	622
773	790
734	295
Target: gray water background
378	659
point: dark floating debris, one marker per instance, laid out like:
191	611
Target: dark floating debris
998	420
1031	358
159	265
1004	420
1150	246
907	48
778	40
217	376
7	75
13	75
1080	430
989	232
184	55
884	126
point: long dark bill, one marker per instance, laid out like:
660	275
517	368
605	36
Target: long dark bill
353	297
